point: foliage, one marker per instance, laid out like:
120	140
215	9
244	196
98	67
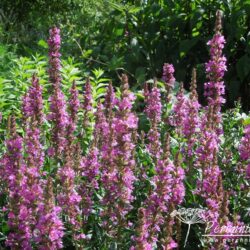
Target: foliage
137	36
15	84
146	33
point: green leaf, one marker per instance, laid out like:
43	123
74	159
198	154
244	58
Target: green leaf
246	121
134	9
43	44
87	53
98	73
119	32
139	95
140	74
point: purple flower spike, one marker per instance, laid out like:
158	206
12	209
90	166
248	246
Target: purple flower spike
13	168
54	43
168	74
87	103
244	149
49	227
153	111
59	117
215	69
33	102
58	114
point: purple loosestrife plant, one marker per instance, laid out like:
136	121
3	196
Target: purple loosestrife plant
178	189
191	125
49	226
33	102
142	231
177	197
124	124
68	197
244	149
109	176
34	151
168	192
210	182
168	74
153	111
180	112
89	171
28	182
215	69
208	141
59	117
118	177
167	241
110	100
35	160
87	103
19	214
216	66
146	92
101	129
33	112
216	199
210	187
74	105
58	113
54	43
168	78
153	107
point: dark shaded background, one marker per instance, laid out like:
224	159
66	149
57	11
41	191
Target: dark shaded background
136	36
